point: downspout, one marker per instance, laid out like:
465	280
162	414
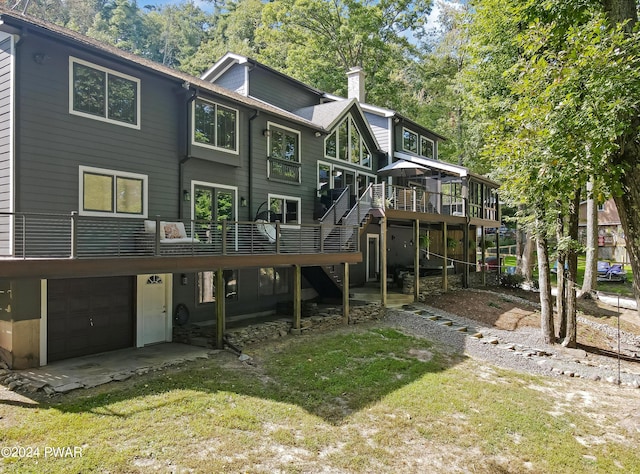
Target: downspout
249	151
187	155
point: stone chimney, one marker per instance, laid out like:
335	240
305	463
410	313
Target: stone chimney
355	83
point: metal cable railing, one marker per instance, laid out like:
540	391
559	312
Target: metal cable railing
32	235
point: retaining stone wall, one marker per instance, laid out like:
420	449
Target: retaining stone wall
313	319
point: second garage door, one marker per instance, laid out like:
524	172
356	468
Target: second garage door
89	315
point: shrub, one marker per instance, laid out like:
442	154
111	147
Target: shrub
511	280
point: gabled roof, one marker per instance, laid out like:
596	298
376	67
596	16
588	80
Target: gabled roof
330	114
387	113
229	59
19	24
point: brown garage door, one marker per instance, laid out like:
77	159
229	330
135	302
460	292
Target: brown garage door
89	315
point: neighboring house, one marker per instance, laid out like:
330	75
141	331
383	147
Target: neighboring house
133	195
611	241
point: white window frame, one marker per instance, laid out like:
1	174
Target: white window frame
600	207
282	127
417	150
287	198
107	71
207	184
433	147
116	174
363	145
236	151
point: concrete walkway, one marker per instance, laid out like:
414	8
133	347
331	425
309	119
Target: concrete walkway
93	370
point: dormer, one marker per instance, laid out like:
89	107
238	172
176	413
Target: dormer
253	79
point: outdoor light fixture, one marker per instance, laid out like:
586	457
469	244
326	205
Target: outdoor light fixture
318	134
183	279
186	195
266	132
243	202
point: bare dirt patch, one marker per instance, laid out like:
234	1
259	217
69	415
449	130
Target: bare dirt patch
511	310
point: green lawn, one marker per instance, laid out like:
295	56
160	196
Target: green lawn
619	288
354	400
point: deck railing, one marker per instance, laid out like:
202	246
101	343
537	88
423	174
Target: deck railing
32	235
419	200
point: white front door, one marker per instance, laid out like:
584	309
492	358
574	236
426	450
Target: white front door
153	320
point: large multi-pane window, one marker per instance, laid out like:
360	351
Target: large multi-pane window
100	93
108	192
215	126
346	143
273	281
284	153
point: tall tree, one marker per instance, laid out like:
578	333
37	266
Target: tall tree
120	24
317	41
591	266
232	28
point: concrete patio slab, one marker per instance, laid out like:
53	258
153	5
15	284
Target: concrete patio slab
93	370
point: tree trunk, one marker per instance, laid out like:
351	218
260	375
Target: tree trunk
546	308
628	156
527	258
571	334
561	277
591	267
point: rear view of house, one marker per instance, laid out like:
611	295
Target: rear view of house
134	197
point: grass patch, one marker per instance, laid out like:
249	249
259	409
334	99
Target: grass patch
359	400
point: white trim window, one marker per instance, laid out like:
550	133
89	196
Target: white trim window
409	141
283	146
285	208
112	193
214	126
345	143
103	94
427	147
418	144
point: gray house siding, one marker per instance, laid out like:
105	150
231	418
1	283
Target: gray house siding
267	86
380	127
6	153
53	143
234	79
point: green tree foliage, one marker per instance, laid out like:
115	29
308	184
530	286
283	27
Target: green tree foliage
174	33
231	29
120	23
557	85
317	41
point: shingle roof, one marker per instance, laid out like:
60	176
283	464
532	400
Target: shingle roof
19	21
325	115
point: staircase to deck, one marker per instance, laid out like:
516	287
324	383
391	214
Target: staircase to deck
352	222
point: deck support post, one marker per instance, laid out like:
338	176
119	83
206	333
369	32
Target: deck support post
220	309
383	262
445	277
297	296
345	292
466	252
416	261
483	247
